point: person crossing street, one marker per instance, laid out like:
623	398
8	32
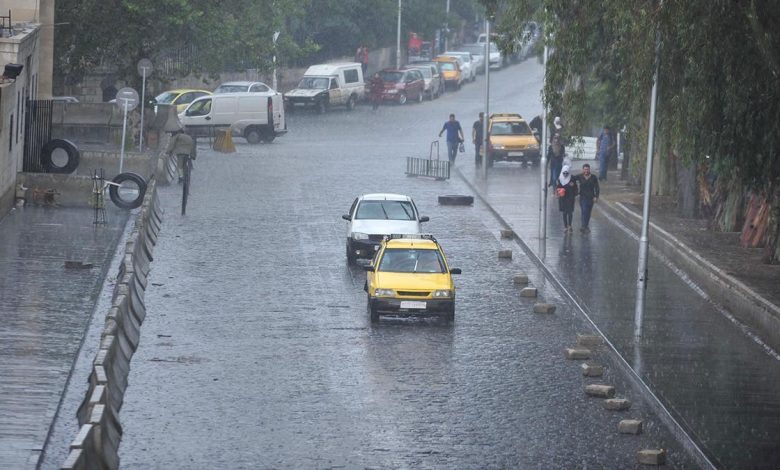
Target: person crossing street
454	137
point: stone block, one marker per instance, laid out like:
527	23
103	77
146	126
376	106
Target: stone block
544	308
617	404
528	292
577	353
651	456
505	254
589	341
507	233
592	370
630	426
600	391
521	279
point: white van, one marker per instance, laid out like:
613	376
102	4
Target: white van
258	117
327	85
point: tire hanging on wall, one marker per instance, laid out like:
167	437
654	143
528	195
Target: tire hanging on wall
71	151
113	190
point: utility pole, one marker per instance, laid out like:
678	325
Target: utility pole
641	283
487	101
543	162
398	45
447	28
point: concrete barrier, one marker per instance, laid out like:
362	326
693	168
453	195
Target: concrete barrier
76	460
107	435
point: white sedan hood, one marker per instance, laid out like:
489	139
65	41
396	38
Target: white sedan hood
385	227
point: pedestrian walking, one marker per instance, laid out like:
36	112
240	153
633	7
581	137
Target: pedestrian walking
605	143
375	88
566	191
454	137
183	146
536	127
556	153
589	194
478	137
556	128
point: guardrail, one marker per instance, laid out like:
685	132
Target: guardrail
96	445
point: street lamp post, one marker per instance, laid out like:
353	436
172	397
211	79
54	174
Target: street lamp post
487	100
543	162
398	44
275	37
446	26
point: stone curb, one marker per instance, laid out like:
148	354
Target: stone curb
651	457
600	391
617	404
630	426
544	308
577	353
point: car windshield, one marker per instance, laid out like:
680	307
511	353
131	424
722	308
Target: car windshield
510	128
231	89
493	47
166	98
447	66
474	50
385	210
426	71
391	76
406	260
313	83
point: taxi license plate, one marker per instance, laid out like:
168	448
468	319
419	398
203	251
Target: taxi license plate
413	304
515	154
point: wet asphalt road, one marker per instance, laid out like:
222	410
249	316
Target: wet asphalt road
257	351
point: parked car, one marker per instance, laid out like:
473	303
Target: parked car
258	117
410	277
450	67
496	57
438	74
467	64
374	216
402	85
326	85
243	87
180	98
431	77
511	139
477	55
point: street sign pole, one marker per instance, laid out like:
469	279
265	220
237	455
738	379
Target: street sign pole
144	67
126	100
124	133
641	283
487	102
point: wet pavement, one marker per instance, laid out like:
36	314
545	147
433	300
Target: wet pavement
257	350
44	310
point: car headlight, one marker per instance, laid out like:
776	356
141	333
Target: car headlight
498	147
442	294
384	293
359	236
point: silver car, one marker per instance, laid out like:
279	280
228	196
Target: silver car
431	77
477	55
467	64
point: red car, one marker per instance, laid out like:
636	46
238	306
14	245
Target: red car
402	85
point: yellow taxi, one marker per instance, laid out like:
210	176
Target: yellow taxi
180	98
410	277
511	139
450	70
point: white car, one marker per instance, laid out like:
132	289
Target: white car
496	57
243	87
477	56
373	216
467	65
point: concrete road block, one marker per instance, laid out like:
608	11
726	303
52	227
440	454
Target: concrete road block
528	292
630	426
651	456
544	308
617	404
600	391
507	233
521	279
592	370
505	254
577	353
589	341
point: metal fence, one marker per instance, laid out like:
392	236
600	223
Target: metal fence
439	169
37	131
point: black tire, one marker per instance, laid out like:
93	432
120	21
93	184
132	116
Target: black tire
267	136
113	191
350	256
402	98
456	200
351	103
372	312
253	135
70	149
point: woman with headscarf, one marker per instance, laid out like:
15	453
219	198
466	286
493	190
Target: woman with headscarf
566	190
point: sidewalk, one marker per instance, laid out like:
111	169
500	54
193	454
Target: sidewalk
44	310
715	376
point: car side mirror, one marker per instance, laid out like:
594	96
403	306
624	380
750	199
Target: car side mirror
424	218
455	271
368	267
346	217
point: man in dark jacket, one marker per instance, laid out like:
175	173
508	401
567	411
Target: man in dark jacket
589	194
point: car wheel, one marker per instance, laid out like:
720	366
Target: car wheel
252	135
322	106
402	98
350	255
351	103
267	136
372	312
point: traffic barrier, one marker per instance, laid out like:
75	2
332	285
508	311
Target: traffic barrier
592	370
107	435
96	394
630	426
76	460
520	279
